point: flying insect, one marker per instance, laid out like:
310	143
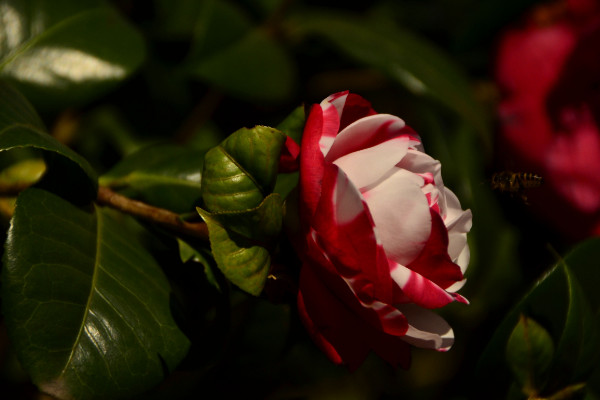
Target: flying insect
515	183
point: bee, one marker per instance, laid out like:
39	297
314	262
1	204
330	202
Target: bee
515	183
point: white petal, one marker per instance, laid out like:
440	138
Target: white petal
452	209
367	166
401	215
347	200
420	163
426	328
457	243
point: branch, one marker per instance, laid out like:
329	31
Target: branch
160	216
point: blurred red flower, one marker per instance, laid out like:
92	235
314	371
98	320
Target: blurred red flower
549	72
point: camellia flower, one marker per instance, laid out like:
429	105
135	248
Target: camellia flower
548	70
382	240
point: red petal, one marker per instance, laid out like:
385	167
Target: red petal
312	164
335	319
355	108
288	160
333	327
434	263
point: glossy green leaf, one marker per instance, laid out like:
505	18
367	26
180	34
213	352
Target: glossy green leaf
569	311
64	51
86	306
409	60
166	176
240	242
529	353
20	127
240	172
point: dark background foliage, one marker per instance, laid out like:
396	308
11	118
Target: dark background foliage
196	71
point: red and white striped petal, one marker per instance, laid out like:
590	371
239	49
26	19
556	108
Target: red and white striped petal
366	132
401	214
346	231
434	263
421	290
366	167
426	329
423	280
351	107
331	126
381	316
462	261
337	100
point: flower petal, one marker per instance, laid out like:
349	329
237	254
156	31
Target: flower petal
427	329
332	112
421	290
434	263
312	163
288	160
347	235
335	318
354	108
401	214
333	327
454	217
368	132
380	159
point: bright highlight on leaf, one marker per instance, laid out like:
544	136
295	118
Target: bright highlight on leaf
60	52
